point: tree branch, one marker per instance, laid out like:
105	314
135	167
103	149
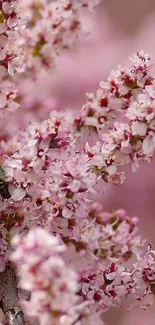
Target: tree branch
9	297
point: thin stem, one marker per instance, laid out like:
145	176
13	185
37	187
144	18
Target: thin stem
9	297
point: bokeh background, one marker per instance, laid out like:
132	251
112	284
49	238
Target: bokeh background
118	28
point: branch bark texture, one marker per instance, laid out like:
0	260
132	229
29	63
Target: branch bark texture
9	297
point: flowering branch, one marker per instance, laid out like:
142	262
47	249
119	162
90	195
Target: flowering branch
48	177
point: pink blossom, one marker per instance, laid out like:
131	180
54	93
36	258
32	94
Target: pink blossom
42	271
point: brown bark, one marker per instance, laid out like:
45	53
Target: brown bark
9	297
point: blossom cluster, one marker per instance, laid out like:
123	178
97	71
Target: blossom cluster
43	272
131	138
116	95
53	26
12	21
108	284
